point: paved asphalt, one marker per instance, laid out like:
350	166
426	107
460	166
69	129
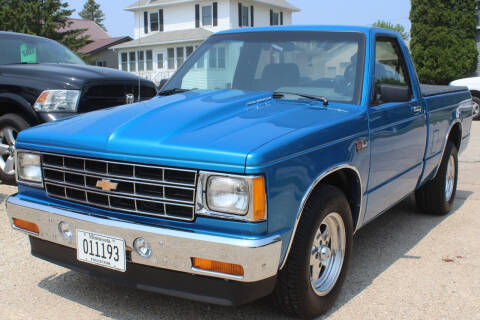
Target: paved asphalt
406	265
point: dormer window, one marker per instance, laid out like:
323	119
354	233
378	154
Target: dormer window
154	21
207	15
242	15
276	18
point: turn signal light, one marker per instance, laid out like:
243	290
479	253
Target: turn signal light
259	199
26	225
217	266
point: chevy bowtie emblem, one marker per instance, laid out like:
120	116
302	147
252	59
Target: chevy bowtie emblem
106	185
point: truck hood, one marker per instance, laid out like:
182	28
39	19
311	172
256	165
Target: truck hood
66	75
198	129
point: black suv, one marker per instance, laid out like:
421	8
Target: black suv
41	81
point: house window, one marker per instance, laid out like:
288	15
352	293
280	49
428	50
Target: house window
189	51
244	15
180	57
149	54
154	21
171	58
101	63
212	58
275	19
141	60
221	58
124	59
159	60
216	58
133	62
201	62
207	16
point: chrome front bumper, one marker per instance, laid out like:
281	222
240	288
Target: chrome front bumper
171	249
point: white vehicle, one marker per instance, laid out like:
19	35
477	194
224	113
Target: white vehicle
473	84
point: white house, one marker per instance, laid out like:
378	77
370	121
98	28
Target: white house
168	31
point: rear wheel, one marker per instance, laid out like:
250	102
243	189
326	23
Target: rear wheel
476	108
313	275
436	196
10	126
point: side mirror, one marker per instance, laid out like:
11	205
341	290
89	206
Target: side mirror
162	83
393	93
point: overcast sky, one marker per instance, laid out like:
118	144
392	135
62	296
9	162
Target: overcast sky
344	12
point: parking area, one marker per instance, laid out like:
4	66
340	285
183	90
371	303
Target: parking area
405	265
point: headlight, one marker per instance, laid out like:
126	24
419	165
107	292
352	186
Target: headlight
231	197
57	101
29	168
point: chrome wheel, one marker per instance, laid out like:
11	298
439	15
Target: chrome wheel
328	253
450	178
476	110
7	147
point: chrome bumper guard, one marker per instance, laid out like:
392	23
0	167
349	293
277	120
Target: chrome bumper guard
171	249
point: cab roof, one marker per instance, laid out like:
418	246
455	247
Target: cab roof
365	30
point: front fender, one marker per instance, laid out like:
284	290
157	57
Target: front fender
291	180
23	105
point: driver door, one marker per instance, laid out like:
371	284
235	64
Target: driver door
397	132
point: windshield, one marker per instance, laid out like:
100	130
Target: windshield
328	64
32	50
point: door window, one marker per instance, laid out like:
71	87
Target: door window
159	60
390	67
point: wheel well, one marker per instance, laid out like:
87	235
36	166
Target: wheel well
475	93
348	181
455	135
7	106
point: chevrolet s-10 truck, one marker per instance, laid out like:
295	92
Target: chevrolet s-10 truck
266	151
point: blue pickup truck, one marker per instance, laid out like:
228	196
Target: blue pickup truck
250	173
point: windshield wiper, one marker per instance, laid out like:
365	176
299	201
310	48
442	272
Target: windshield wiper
172	91
281	94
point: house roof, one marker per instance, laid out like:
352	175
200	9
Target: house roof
187	35
99	38
94	31
101	44
153	3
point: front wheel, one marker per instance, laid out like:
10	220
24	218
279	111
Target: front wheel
311	280
10	126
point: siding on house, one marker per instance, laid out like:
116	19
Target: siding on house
179	22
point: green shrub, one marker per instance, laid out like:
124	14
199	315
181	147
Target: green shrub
443	42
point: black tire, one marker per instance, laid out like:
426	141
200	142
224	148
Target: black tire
294	293
476	100
17	123
431	198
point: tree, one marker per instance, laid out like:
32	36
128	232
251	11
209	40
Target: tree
91	11
45	18
397	27
443	39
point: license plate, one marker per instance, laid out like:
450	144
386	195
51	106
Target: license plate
102	250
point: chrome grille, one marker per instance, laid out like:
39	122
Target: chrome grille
140	189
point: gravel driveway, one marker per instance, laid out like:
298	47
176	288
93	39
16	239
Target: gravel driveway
405	265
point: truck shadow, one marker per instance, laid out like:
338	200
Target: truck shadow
376	247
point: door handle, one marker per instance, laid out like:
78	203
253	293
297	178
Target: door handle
417	109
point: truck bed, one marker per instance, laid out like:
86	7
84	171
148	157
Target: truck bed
429	90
